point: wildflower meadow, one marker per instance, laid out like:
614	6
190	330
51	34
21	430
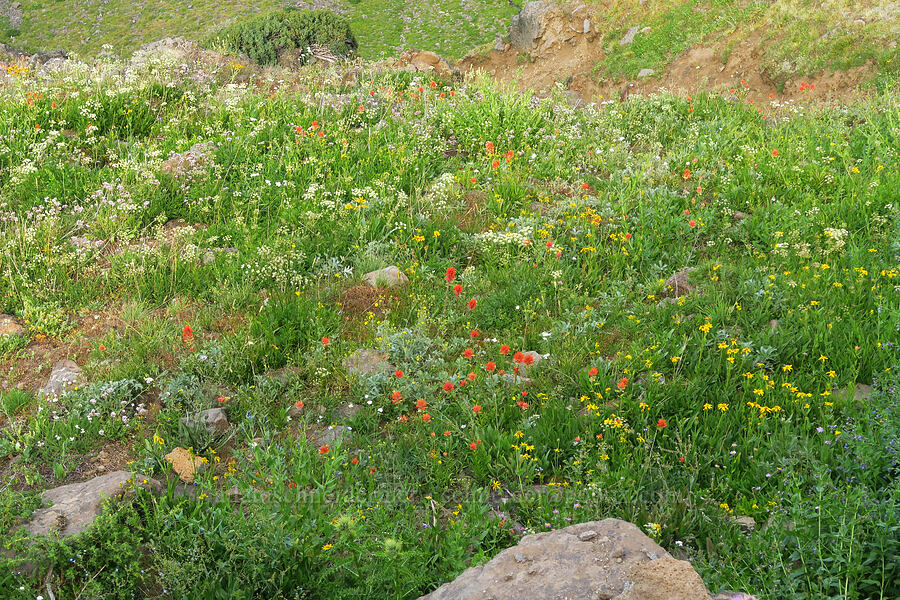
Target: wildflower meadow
681	311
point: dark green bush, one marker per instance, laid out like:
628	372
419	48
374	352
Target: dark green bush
266	36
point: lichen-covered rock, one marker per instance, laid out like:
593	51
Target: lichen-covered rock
185	464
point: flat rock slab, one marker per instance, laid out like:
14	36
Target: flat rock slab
65	374
386	277
598	560
75	506
366	361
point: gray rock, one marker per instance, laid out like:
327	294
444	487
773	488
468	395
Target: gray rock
214	419
513	378
10	326
366	361
386	277
645	73
75	506
629	36
527	26
347	410
586	28
330	435
617	562
746	523
65	374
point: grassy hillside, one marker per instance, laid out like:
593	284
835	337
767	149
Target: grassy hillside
198	246
450	27
786	37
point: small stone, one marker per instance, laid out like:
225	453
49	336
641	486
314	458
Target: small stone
10	326
746	523
585	536
645	73
347	410
65	374
629	36
214	419
678	285
295	410
587	26
739	216
387	277
184	464
330	435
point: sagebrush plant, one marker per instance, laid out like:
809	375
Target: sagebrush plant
263	38
536	354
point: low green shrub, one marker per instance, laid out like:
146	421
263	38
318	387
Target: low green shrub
264	37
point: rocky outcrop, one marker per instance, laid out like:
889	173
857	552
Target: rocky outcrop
528	25
599	560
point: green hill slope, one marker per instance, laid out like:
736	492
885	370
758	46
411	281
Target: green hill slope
450	27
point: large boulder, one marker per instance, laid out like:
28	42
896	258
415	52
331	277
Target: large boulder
75	506
599	560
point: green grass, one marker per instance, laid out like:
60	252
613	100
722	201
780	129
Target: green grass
449	27
561	227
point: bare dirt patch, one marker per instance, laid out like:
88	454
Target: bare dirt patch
568	50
